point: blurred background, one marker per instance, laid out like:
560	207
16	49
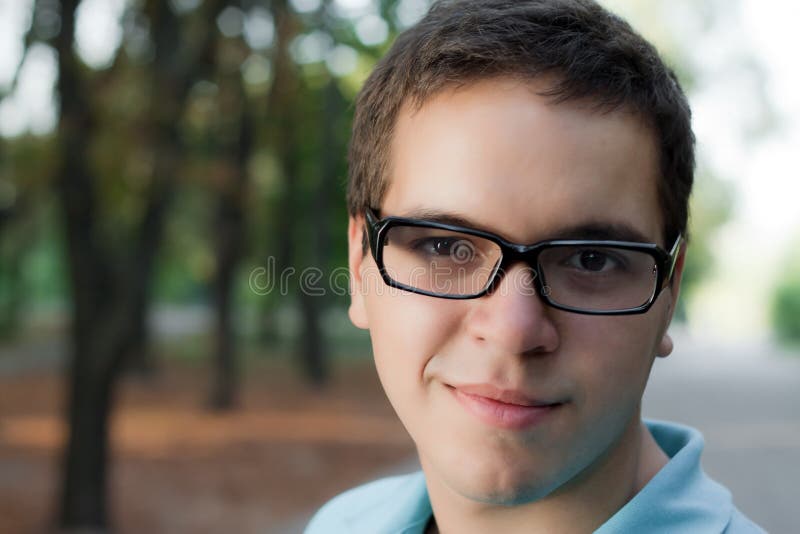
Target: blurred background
175	354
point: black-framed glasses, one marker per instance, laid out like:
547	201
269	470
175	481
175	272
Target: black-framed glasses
595	277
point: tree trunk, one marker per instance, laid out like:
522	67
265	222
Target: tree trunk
109	284
12	292
225	377
283	110
83	499
314	349
94	370
230	227
136	347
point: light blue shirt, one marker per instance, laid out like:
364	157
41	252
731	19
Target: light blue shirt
680	498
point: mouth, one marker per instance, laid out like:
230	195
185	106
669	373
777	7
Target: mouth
507	409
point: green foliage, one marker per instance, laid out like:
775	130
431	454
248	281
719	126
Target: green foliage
786	311
186	262
785	302
710	206
30	270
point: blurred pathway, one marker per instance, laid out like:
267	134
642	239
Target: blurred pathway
746	400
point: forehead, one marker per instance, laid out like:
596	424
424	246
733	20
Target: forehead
497	153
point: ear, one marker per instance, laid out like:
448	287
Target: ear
355	261
665	346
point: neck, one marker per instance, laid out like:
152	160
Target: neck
580	505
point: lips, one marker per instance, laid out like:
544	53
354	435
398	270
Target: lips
503	408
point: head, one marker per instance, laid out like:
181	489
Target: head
586	52
527	119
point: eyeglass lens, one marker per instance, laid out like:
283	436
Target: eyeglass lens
450	263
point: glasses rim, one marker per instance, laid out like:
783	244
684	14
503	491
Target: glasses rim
512	253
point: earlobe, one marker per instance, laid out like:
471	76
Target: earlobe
665	346
356	256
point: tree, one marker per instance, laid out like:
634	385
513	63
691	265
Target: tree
234	145
110	277
121	156
289	138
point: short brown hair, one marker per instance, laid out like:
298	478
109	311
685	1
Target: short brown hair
591	53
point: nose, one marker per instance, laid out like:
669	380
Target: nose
513	318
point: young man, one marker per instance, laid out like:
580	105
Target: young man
520	172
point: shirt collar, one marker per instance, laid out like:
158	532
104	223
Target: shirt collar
679	498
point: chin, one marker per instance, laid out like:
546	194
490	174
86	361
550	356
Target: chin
505	486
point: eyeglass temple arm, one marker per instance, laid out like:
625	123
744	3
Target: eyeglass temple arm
371	222
370	217
673	258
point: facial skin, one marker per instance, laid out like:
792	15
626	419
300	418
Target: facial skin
497	154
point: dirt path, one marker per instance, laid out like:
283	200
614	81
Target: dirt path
179	468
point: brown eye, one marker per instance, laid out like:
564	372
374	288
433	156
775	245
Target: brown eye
435	246
593	261
458	250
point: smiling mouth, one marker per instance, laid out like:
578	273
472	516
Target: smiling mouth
504	409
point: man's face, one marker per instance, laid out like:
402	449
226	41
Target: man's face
496	154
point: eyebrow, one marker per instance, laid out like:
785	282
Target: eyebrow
444	217
597	230
602	231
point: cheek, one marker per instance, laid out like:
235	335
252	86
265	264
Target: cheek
611	357
407	330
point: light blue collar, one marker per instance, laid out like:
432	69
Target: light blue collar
679	498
